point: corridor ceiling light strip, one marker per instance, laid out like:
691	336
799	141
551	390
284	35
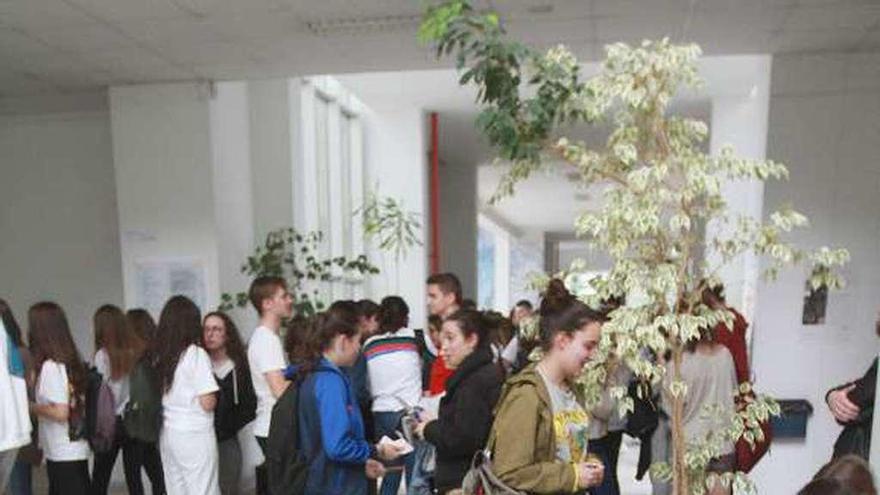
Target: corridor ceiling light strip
363	25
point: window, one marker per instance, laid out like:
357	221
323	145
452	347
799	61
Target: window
333	170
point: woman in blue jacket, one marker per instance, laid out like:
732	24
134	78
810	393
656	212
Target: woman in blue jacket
331	429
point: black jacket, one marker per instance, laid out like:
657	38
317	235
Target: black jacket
856	435
465	418
236	403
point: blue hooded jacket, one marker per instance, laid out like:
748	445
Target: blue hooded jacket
331	433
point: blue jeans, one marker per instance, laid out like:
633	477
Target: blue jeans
608	449
20	481
388	423
422	480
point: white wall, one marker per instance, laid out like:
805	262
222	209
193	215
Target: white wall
163	161
458	218
739	119
234	205
271	121
60	237
825	125
396	156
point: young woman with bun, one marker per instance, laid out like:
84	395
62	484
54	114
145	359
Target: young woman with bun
540	434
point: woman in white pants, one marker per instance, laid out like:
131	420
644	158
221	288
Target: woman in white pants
187	444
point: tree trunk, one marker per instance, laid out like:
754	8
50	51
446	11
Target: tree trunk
680	485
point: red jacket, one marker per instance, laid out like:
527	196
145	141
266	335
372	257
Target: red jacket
439	374
735	341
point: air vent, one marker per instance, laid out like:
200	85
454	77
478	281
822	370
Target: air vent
545	8
363	25
573	176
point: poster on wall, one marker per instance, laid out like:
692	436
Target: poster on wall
157	280
815	305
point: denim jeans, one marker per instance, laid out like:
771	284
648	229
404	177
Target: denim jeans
21	481
608	449
422	482
387	424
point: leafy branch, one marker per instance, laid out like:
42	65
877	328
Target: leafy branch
296	257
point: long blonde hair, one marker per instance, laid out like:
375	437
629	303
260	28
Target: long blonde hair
114	334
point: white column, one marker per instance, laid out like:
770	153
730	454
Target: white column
740	120
233	199
163	164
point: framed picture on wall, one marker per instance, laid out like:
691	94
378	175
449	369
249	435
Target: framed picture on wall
815	305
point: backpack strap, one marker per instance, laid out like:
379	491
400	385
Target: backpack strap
420	342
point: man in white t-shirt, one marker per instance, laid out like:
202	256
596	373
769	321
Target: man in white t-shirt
266	359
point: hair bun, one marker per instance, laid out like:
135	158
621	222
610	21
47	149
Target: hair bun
556	298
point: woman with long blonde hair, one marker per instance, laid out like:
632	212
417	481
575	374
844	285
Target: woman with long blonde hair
119	349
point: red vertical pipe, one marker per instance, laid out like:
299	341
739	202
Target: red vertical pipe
435	194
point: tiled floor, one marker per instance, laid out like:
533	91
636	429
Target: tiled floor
626	469
629	456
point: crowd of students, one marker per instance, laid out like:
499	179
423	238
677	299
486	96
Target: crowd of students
339	401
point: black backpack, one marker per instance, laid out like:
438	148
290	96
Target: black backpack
425	355
143	413
286	466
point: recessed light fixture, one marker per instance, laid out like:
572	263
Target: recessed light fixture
362	25
544	8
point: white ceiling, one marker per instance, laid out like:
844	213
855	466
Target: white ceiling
69	46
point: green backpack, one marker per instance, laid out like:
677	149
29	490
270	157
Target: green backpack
143	413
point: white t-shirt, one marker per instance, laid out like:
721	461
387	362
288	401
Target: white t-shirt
53	387
395	370
265	354
511	350
120	388
193	377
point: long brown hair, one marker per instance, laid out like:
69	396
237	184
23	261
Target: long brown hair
143	324
113	333
180	326
852	472
234	345
50	338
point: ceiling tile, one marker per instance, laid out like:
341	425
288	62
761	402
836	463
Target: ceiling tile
17	44
258	25
173	33
14	84
871	40
834	17
863	72
537	10
798	74
137	65
40	14
205	54
120	10
634	29
746	16
812	41
605	8
93	36
552	32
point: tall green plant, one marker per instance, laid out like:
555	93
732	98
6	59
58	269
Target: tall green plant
659	186
386	220
296	257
